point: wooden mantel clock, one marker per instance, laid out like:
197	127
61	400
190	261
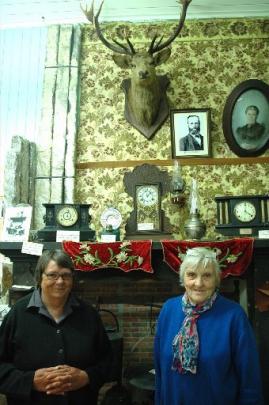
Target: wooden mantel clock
147	185
66	217
243	215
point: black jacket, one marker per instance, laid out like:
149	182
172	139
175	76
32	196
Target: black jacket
30	340
189	142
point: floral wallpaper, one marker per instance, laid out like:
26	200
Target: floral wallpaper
209	58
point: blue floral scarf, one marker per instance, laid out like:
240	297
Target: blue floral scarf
186	342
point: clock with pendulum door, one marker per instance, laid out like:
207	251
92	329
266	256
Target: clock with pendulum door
147	185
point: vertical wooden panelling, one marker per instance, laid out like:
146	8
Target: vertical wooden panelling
22	55
57	135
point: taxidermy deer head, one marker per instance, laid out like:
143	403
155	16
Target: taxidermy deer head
146	104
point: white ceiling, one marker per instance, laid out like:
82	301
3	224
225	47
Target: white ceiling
15	13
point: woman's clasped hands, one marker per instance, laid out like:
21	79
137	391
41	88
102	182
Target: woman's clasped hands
59	379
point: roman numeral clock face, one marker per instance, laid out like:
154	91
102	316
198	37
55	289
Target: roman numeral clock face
148	207
147	195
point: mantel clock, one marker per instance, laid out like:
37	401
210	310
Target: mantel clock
146	184
68	217
242	215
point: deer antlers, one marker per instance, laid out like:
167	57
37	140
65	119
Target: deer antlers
159	46
94	20
129	50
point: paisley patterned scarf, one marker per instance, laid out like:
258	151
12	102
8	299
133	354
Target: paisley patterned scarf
186	343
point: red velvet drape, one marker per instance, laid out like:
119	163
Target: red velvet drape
234	255
126	256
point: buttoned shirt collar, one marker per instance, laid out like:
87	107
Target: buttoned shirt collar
36	302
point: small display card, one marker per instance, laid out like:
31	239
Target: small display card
264	234
108	238
32	248
145	226
73	236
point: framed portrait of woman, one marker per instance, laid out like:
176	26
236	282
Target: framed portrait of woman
245	119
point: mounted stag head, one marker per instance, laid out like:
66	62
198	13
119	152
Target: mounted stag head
146	104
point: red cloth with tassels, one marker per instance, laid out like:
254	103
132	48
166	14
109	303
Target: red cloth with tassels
126	256
233	255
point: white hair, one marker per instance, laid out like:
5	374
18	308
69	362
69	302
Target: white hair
200	257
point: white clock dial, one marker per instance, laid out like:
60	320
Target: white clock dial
67	216
245	211
147	195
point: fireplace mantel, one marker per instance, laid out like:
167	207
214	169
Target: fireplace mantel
24	264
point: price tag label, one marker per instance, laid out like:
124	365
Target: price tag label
32	248
108	238
73	236
264	234
145	226
245	231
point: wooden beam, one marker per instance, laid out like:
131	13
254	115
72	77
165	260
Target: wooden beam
169	162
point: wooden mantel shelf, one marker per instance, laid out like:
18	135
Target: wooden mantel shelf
156	245
170	162
161	270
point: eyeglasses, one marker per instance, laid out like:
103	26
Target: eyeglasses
55	276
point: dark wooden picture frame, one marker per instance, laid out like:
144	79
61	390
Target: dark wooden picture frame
245	119
190	133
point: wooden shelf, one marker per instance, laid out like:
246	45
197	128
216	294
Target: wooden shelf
170	162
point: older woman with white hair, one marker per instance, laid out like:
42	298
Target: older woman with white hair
205	350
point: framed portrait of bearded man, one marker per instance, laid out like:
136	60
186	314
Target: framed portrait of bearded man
190	133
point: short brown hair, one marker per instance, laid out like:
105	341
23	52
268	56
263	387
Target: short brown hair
61	258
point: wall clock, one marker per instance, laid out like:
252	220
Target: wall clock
147	185
71	217
148	207
242	215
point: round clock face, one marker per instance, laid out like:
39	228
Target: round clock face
67	216
245	211
147	195
111	216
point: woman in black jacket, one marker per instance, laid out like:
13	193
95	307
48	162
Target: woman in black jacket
53	346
